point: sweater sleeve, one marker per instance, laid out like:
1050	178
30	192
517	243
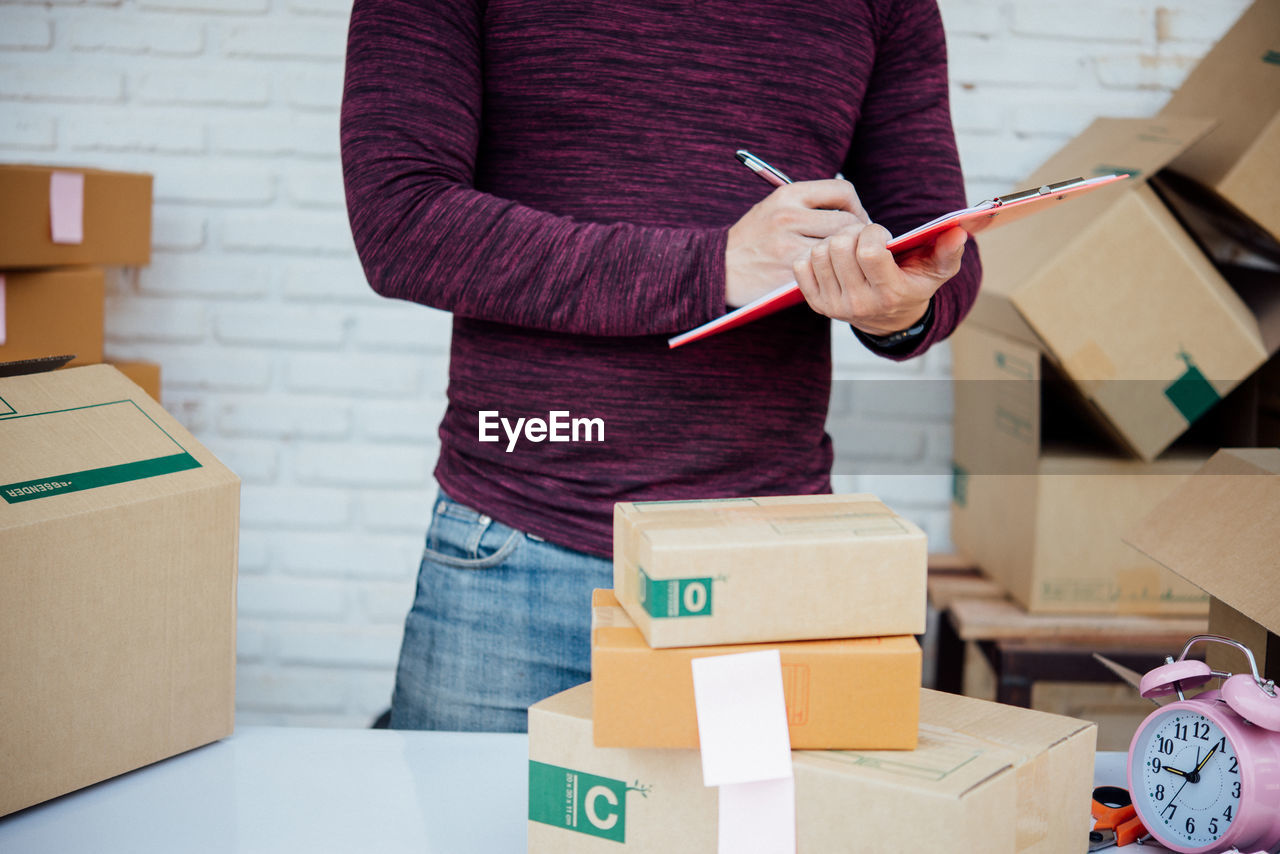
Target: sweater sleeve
903	160
410	128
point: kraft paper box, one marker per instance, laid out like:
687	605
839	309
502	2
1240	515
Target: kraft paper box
742	570
1219	531
117	596
1238	83
52	313
145	374
1046	521
857	692
1115	292
985	779
111	209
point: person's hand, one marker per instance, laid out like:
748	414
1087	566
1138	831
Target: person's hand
853	277
781	229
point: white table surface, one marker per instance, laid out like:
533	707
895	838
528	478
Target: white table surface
281	789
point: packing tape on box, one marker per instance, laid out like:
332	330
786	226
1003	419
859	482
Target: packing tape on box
66	207
746	750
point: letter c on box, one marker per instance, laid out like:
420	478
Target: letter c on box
593	795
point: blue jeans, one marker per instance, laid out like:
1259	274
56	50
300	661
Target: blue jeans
501	620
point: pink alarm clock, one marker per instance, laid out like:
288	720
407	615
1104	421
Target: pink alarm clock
1204	771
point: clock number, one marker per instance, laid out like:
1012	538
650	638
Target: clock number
1160	793
1213	826
1203	736
1235	790
1227	813
1171	809
1166	746
1155	764
1191	825
1180	732
1232	769
1222	745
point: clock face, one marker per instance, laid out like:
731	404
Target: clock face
1185	778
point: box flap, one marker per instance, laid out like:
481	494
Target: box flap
963	743
76	440
1012	255
1217	530
1237	82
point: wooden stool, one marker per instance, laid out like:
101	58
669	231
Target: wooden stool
1024	648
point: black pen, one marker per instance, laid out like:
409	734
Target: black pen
764	170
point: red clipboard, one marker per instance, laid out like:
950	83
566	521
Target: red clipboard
979	217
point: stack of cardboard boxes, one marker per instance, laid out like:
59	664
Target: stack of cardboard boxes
58	228
1118	341
118	531
836	584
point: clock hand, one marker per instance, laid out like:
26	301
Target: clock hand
1206	759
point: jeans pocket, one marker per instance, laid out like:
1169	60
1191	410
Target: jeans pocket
464	538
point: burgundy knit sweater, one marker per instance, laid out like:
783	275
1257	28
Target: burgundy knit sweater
560	175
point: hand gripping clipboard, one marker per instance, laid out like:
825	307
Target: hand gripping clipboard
985	214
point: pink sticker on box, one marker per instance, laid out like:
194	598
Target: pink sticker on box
66	207
3	300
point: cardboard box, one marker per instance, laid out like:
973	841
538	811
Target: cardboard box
851	693
114	217
740	570
1045	520
1218	531
1238	83
1113	290
118	590
985	779
145	374
52	313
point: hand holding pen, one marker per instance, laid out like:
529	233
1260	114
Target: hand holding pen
851	275
764	245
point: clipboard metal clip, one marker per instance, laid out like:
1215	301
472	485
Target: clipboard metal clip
1043	190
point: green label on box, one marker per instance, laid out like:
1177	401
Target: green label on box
1191	393
1272	56
46	487
573	800
675	597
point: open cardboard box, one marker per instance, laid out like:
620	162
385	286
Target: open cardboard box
1219	530
985	779
113	211
1238	83
118	591
1044	517
854	692
776	568
1115	293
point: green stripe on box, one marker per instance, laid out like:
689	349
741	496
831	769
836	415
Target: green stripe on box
46	487
959	485
1272	56
1191	394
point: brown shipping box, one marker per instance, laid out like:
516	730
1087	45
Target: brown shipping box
985	779
1114	291
850	693
1219	530
1046	522
52	313
116	218
742	570
118	590
1238	83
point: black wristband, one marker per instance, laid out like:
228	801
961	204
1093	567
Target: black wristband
896	343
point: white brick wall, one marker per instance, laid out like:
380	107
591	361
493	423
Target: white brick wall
324	397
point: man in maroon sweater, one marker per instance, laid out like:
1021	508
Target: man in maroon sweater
560	175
